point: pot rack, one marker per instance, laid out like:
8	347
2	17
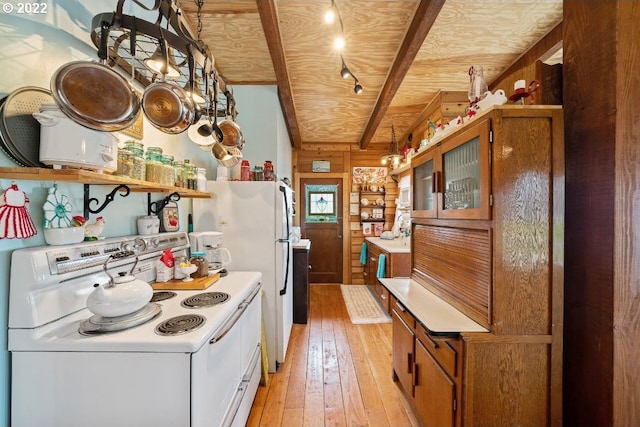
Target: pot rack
132	40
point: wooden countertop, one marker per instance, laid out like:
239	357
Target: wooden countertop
304	244
432	311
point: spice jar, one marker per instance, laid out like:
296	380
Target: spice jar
198	259
268	171
125	163
245	173
192	175
258	173
181	174
139	167
177	271
153	162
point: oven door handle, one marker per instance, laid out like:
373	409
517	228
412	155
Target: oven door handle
230	322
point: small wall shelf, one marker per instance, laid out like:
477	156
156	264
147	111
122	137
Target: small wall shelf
88	178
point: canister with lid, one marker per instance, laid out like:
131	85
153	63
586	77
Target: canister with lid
269	175
202	179
139	167
154	166
181	174
245	173
258	173
125	163
199	259
168	175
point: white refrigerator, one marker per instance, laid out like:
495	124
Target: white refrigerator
256	219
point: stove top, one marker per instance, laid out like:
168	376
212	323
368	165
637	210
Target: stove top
64	334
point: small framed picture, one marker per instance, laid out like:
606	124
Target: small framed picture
378	228
321	166
366	229
354	197
354	209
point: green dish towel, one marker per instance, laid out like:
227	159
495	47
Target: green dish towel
363	253
381	266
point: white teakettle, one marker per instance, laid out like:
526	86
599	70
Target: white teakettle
120	296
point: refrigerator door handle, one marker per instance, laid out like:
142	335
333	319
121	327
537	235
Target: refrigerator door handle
286	272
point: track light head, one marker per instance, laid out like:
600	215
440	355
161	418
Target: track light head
357	88
344	72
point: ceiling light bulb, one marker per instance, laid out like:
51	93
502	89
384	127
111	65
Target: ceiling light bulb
339	43
330	16
384	160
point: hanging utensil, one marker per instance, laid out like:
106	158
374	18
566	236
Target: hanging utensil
230	129
94	95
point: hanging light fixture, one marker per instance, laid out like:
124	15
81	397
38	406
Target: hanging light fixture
339	44
393	157
163	61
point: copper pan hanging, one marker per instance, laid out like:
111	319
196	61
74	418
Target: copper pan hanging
230	129
94	95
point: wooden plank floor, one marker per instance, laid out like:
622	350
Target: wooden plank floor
335	373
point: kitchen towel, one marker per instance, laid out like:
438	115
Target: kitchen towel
363	253
381	266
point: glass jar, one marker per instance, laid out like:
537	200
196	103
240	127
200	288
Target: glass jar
154	166
269	175
192	175
177	271
139	166
198	259
245	173
258	173
201	179
181	174
168	175
125	163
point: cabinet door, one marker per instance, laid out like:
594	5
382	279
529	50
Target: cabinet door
424	185
402	354
434	391
464	184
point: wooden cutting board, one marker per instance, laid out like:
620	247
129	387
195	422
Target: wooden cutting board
178	285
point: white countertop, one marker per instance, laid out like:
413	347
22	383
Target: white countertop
432	311
397	246
302	244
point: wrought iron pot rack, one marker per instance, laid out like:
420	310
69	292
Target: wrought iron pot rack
132	40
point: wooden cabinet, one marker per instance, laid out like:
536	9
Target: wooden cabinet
403	351
301	294
451	179
500	263
396	265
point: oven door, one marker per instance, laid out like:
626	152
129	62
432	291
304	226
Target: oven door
223	370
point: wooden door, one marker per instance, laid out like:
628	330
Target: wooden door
323	228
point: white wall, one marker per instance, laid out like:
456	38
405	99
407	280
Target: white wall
32	48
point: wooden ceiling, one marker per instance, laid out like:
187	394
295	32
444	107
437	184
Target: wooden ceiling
402	52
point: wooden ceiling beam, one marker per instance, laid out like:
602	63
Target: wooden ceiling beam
269	19
423	20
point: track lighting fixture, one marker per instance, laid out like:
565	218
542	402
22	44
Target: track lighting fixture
358	87
344	72
339	43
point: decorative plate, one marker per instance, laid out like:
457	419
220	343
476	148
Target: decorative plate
364	202
380	202
57	209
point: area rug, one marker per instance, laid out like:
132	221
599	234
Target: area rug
361	305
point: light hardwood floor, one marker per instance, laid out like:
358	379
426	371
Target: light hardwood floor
335	373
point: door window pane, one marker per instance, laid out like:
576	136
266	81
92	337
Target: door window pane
321	203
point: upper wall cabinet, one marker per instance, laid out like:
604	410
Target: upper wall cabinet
452	179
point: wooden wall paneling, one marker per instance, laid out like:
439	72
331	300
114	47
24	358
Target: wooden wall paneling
602	328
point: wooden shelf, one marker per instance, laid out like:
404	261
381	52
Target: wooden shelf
81	176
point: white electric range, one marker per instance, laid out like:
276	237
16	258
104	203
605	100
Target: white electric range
188	359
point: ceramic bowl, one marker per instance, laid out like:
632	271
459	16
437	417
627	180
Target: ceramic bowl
63	236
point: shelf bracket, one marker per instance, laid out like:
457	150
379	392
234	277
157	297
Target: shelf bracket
156	207
108	199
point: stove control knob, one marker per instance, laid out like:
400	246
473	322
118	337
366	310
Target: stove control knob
154	242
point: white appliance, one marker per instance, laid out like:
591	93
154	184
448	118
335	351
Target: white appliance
155	372
256	219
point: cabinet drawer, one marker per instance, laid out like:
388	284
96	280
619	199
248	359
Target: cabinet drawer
404	314
439	348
